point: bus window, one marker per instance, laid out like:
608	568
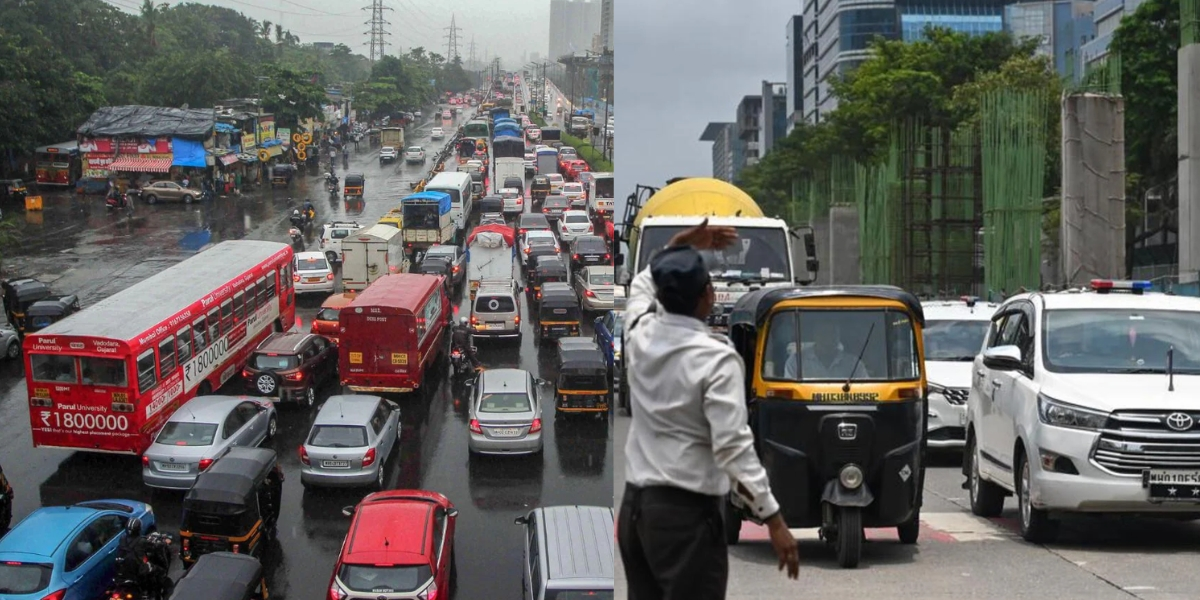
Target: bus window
214	326
239	307
200	333
103	371
50	368
227	316
184	345
146	376
166	358
270	289
251	299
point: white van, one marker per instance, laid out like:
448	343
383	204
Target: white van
458	185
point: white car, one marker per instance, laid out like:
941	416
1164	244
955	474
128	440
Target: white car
312	273
387	154
437	134
414	155
1085	402
534	134
954	333
537	237
556	182
573	224
514	203
332	235
575	192
530	165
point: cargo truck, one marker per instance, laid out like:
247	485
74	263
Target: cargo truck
491	255
392	136
371	253
427	221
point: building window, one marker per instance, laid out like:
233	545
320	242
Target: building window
858	28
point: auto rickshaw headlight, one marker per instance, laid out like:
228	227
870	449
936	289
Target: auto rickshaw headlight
851	477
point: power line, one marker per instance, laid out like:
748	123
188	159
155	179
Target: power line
452	40
378	30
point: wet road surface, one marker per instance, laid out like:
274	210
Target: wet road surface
79	247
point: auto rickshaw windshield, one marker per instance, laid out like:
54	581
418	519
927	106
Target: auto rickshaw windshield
876	344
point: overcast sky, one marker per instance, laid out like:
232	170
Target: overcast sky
502	27
680	65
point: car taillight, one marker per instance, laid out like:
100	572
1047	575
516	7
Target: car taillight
369	457
295	278
575	256
298	376
536	427
335	592
304	456
475	428
528	249
205	463
235	548
607	257
430	593
145	460
589	293
247	373
59	595
517	320
453	270
474	320
329	276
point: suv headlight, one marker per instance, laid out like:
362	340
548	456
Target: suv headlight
1061	414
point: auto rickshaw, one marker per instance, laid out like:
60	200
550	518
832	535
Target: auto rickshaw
233	506
394	217
539	189
19	295
835	383
547	269
558	315
374	138
352	186
466	149
13	190
223	576
43	313
281	175
582	385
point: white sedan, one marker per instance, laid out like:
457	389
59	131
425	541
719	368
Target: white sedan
573	224
574	191
437	134
556	182
537	237
414	155
312	273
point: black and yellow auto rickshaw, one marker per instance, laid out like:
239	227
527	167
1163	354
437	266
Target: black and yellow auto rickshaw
44	313
835	383
233	506
466	149
558	315
223	576
13	191
281	175
582	385
546	269
538	190
19	295
353	185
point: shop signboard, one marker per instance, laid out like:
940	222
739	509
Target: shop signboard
284	135
98	145
266	129
248	142
96	165
160	145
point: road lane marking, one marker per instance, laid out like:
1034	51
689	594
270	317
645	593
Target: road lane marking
935	527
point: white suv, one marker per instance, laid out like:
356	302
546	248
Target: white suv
1085	401
332	235
954	333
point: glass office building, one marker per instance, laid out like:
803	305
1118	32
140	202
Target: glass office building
1062	28
973	18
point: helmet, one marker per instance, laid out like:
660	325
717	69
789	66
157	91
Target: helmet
134	527
296	212
462	321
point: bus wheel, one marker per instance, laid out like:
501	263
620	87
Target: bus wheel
205	389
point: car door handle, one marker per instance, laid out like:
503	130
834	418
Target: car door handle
981	373
997	383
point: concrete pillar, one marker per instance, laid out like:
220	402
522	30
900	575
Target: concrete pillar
1093	188
1189	164
843	254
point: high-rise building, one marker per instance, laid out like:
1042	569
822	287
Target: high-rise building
606	23
773	124
1107	15
725	156
749	129
1063	27
843	39
572	25
795	72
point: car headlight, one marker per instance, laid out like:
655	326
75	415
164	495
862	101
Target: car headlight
1061	414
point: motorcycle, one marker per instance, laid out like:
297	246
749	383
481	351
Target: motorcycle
299	221
117	201
331	183
460	363
148	581
297	239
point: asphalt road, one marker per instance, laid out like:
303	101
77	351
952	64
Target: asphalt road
77	247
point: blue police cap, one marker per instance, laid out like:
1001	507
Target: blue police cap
679	272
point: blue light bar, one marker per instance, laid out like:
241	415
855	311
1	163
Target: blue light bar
1107	285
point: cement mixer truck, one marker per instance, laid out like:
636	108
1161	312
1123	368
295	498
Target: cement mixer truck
768	252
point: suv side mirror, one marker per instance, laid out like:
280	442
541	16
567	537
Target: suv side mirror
452	513
348	511
1002	358
521	520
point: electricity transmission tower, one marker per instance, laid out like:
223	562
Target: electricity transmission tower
378	30
452	40
472	61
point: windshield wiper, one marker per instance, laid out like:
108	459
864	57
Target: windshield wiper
858	361
964	358
1137	370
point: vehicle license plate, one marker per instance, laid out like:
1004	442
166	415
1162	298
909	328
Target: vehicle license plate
506	432
313	280
962	418
172	467
1172	485
335	464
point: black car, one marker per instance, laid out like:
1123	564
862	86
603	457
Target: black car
291	367
588	251
554	206
438	265
533	222
516	183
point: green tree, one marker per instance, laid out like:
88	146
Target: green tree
1148	43
291	96
195	79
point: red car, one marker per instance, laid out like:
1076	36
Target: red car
401	543
575	167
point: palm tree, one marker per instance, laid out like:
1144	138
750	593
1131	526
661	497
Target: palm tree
150	14
265	30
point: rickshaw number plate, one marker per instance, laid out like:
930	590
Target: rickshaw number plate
335	464
506	432
172	467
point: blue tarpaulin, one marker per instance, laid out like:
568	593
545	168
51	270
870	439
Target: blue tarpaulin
226	128
442	198
188	153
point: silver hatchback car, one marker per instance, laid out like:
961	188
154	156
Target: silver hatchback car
506	413
350	442
200	432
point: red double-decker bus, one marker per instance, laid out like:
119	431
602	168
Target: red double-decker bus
106	378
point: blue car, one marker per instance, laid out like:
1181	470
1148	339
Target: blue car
608	336
67	552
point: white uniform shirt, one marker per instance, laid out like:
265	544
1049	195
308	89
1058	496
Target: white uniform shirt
689	427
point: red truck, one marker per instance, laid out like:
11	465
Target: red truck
391	334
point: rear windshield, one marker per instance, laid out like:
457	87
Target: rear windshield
187	433
540	240
557	201
601	278
338	436
385	580
23	578
534	222
577	218
328	314
504	403
591	244
265	362
495	304
312	264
